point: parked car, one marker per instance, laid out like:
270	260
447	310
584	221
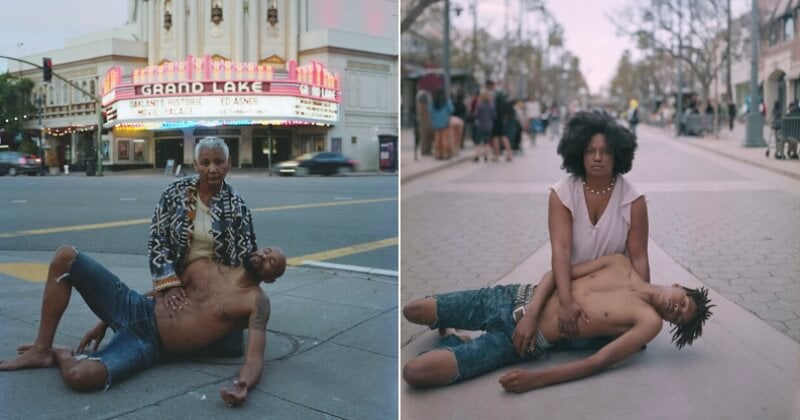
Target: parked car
322	163
14	163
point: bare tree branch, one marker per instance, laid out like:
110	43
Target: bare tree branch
413	12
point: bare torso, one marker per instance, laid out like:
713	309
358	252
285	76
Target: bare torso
217	306
610	299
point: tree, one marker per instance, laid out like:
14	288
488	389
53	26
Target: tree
659	26
15	104
413	10
623	83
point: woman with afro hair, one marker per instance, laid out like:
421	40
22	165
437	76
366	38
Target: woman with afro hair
594	211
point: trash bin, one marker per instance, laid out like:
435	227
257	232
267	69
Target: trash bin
91	166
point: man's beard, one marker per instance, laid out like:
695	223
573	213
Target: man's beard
250	267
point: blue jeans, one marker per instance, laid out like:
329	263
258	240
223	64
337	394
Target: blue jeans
136	343
490	310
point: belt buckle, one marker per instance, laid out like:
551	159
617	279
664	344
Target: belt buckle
519	312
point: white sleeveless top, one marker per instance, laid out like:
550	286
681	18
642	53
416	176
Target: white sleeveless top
610	234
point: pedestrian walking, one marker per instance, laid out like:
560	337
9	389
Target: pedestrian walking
731	114
633	115
555	121
425	129
440	110
794	112
458	121
484	115
533	112
499	135
775	125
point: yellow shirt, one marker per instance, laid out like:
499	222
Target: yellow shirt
202	244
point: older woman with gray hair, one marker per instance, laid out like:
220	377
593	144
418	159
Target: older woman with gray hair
199	216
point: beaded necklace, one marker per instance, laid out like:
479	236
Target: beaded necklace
603	191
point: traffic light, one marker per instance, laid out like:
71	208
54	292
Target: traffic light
47	69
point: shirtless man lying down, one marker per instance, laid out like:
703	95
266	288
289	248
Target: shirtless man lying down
521	323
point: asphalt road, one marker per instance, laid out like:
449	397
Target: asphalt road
343	220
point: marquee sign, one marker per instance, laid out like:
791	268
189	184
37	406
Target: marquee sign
234	107
224	91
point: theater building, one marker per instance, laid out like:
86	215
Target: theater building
274	78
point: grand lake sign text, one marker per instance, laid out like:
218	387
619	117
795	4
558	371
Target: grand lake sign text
201	88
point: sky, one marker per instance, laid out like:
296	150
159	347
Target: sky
35	26
588	31
43	25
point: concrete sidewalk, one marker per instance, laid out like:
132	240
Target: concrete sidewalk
331	352
415	165
740	369
729	143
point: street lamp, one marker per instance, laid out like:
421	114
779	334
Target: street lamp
754	136
40	106
458	9
679	102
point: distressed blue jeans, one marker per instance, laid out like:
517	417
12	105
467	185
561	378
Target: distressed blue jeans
136	343
489	310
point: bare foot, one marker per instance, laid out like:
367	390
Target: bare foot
61	353
452	331
32	358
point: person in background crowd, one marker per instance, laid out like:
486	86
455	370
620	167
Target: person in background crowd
440	111
731	114
794	112
533	112
458	120
484	115
499	132
775	125
555	121
426	134
633	115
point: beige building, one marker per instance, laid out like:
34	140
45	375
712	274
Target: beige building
779	61
354	41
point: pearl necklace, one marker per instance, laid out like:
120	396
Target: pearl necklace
603	191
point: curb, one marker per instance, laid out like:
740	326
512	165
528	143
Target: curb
741	159
446	164
350	268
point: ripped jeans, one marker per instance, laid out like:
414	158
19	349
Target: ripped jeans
136	343
490	310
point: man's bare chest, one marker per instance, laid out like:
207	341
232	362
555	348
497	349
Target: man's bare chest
212	298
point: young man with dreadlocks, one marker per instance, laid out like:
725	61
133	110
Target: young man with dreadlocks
521	323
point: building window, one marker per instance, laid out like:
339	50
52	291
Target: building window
773	34
795	89
167	14
216	13
788	28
